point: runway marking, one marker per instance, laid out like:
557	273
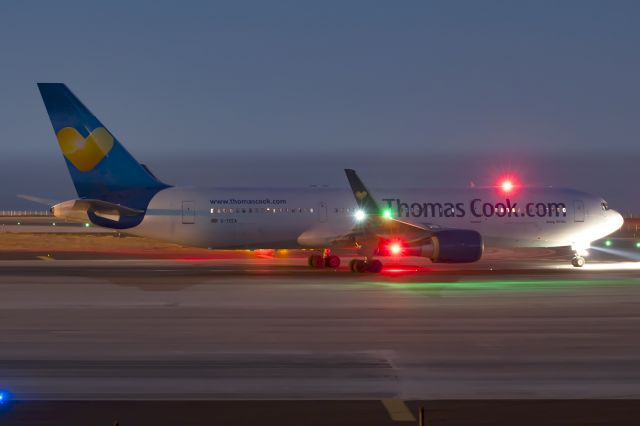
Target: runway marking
398	410
45	257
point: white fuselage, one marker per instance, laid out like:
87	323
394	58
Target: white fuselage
235	218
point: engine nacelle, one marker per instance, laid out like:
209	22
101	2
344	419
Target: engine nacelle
453	246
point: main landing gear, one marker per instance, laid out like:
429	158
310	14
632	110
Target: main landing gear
327	260
359	265
320	261
578	261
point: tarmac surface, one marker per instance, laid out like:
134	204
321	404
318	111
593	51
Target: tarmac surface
260	328
102	330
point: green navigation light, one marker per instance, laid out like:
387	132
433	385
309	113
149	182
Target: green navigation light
386	213
608	243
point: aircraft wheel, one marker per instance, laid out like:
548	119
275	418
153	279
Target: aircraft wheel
358	265
332	262
316	261
578	261
375	266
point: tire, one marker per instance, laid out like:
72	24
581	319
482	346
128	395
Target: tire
316	261
578	261
332	262
375	266
358	265
352	265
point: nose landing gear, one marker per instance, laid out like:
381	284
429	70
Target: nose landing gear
580	250
578	261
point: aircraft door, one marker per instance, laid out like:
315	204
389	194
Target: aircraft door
578	210
322	211
188	212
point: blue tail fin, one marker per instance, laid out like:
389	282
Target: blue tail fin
100	167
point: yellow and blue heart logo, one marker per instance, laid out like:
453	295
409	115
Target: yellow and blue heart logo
85	153
361	195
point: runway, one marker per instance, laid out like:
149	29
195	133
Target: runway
275	329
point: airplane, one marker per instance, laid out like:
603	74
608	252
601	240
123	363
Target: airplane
445	225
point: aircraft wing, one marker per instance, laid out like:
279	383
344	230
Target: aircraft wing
376	223
377	232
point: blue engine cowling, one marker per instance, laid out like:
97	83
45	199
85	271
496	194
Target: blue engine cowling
456	246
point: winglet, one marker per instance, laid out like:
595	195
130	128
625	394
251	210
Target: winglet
363	196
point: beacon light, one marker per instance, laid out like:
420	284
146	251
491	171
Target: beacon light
395	248
507	185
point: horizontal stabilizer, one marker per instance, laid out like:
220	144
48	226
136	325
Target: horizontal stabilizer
38	200
86	209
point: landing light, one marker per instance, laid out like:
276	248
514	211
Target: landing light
360	215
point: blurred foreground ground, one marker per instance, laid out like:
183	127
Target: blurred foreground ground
96	328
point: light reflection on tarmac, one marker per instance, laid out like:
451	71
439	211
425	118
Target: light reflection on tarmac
272	328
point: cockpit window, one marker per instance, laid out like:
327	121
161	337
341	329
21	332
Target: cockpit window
605	206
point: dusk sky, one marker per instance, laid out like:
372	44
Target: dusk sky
291	92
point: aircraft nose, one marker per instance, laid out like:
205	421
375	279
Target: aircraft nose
615	219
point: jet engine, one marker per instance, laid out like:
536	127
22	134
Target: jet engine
452	246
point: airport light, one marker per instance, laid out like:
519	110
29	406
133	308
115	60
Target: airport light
86	225
360	215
